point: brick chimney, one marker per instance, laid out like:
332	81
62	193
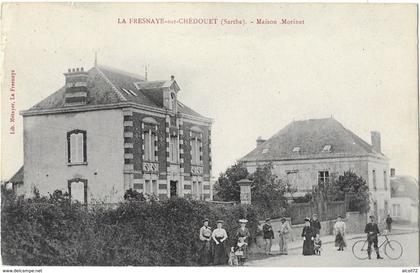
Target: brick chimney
76	86
260	141
392	172
376	141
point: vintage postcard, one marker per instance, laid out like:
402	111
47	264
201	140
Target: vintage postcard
209	134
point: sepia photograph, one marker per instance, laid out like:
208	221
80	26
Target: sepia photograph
209	135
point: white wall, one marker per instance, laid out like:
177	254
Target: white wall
45	153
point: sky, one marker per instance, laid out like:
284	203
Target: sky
354	62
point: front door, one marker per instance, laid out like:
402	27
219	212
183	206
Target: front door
174	188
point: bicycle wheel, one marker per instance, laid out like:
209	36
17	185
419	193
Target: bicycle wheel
360	250
393	249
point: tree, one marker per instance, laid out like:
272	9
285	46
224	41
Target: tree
352	185
267	192
226	187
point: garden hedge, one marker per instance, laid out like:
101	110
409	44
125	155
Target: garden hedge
55	232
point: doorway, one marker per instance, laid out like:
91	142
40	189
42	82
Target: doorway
174	188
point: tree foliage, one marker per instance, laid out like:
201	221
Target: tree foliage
267	190
226	187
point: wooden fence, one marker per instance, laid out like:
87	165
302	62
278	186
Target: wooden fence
298	211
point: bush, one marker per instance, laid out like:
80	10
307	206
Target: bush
52	231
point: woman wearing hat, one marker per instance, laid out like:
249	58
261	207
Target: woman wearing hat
242	236
339	232
205	237
283	235
219	237
308	235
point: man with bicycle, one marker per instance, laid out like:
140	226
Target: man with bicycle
372	231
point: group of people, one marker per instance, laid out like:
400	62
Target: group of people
268	235
312	244
215	250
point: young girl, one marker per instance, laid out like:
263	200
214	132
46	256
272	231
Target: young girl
317	245
240	250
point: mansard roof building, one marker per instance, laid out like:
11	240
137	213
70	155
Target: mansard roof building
106	131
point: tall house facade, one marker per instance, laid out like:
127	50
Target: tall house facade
106	131
309	152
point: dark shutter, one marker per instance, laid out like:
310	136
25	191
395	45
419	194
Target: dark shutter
84	147
68	147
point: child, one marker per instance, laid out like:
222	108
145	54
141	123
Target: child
317	245
239	250
233	260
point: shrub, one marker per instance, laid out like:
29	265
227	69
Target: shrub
53	231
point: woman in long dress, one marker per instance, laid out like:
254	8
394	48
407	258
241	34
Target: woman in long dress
308	235
340	233
283	236
205	237
219	237
243	235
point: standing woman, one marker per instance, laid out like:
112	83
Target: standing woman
205	237
340	232
219	237
308	236
243	235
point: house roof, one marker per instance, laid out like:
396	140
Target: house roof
107	86
404	186
17	177
306	139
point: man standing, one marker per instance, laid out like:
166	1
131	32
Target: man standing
268	235
388	223
372	231
283	236
315	224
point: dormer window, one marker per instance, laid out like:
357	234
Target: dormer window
327	149
264	151
296	149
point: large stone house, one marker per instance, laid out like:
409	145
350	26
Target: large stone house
106	131
307	152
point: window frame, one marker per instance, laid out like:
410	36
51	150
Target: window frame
84	147
85	187
323	176
150	146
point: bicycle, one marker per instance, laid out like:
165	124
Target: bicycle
392	248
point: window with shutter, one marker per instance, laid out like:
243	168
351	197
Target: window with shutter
76	143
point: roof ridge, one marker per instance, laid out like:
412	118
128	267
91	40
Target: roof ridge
119	71
119	94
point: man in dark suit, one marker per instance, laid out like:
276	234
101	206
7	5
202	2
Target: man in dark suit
372	231
268	235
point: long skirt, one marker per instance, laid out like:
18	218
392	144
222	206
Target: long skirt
308	247
340	242
220	256
205	253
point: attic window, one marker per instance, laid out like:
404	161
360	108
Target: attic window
264	151
129	92
296	149
327	149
